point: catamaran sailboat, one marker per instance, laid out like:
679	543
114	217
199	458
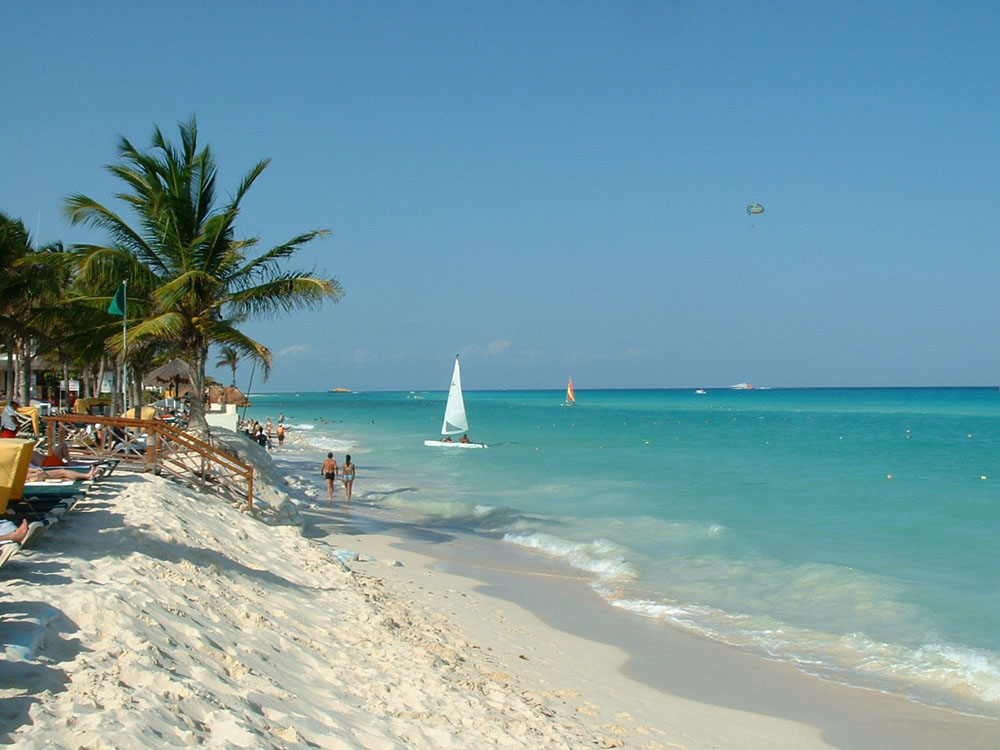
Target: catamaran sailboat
455	420
570	395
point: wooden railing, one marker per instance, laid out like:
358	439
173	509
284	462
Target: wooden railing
154	445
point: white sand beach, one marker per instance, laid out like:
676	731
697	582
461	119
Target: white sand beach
156	617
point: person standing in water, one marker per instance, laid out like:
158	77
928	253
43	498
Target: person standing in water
330	472
348	475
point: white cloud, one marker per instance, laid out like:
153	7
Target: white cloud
497	347
294	350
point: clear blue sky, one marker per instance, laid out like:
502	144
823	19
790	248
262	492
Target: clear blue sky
559	188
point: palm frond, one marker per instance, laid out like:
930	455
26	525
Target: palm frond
290	291
267	263
83	210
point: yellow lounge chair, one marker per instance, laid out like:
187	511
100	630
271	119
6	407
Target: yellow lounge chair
146	412
89	405
15	458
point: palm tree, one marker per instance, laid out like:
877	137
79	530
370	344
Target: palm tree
229	357
67	329
190	280
14	300
28	284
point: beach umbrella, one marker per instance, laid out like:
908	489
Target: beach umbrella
175	371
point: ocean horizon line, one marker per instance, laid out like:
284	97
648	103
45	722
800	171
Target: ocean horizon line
644	388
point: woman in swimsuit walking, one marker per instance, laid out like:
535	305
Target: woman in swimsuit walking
330	472
348	476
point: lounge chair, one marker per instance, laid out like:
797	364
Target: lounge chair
105	466
52	497
27	419
53	488
38	509
47	488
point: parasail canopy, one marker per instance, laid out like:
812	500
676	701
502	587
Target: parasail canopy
754	208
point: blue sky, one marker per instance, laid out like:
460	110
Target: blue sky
559	188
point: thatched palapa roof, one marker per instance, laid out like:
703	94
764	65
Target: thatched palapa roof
174	371
226	394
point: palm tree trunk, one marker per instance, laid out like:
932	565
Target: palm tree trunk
196	419
22	374
29	346
8	386
66	384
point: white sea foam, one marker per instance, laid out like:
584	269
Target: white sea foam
454	511
601	557
329	444
938	674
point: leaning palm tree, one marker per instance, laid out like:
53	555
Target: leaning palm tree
190	279
229	357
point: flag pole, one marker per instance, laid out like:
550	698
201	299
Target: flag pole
125	347
119	307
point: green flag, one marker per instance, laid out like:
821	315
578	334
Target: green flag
117	306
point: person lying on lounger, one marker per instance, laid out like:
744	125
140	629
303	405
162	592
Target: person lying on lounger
58	457
40	475
11	533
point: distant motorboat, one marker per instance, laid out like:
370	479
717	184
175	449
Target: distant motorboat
742	387
341	390
700	391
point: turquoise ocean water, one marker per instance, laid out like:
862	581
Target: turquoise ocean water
851	531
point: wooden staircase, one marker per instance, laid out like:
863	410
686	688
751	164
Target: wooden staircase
156	446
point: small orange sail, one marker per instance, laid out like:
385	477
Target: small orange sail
570	394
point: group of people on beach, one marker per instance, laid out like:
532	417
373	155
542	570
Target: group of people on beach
261	433
330	470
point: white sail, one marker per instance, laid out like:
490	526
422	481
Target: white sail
455	420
